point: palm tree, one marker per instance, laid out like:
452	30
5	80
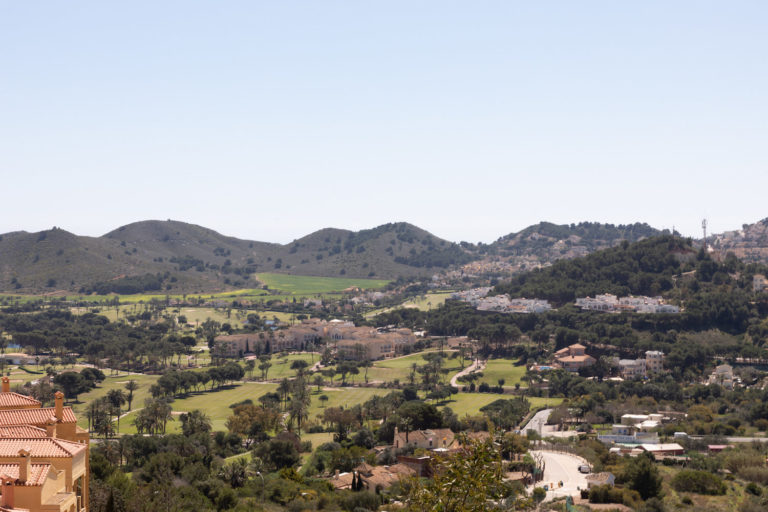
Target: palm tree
284	388
116	399
131	386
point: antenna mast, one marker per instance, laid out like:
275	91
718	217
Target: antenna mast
704	227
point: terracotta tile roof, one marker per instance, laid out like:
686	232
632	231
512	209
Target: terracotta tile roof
11	399
440	437
24	431
39	447
385	476
342	481
34	416
36	477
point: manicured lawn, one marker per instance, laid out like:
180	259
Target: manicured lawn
113	382
470	403
281	365
213	403
506	369
342	397
422	302
387	370
288	284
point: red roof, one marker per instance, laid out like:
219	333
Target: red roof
11	399
34	416
26	431
40	447
36	476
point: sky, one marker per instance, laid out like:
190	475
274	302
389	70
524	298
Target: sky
269	120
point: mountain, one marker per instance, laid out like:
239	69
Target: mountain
544	243
554	241
176	256
647	267
750	243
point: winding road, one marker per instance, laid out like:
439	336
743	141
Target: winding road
561	467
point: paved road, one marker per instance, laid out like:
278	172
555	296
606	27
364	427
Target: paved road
477	365
537	422
739	439
562	467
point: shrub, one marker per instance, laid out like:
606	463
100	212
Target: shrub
757	474
754	489
699	482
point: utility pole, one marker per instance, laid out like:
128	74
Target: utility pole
704	228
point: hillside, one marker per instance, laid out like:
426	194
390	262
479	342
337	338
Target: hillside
647	267
550	242
750	243
180	257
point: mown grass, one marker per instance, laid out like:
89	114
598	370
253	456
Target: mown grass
387	370
292	285
506	369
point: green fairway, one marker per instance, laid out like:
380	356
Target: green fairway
387	370
342	397
470	403
297	285
505	369
281	365
213	403
114	382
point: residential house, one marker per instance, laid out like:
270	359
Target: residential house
573	358
654	361
604	478
432	439
723	375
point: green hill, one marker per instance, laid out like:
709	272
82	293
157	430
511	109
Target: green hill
647	267
179	257
550	242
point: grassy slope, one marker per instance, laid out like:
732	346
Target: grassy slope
310	285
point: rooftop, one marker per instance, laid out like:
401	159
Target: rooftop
34	416
37	475
40	447
11	399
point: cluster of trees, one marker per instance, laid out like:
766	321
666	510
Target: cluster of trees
73	384
177	382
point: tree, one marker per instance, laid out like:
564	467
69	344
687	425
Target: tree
299	366
250	365
462	482
642	475
264	368
195	422
323	399
318	381
131	386
116	399
72	383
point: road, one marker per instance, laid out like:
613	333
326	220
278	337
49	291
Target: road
739	439
537	422
477	365
562	467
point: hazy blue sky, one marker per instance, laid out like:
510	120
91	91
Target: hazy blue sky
268	120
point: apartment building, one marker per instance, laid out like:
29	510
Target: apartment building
43	456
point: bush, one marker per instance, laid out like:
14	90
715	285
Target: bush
754	489
757	474
610	494
699	482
